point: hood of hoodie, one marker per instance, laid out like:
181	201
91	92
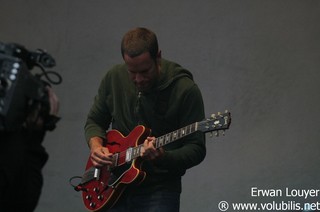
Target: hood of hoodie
169	73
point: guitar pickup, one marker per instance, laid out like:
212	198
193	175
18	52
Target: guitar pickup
129	155
96	174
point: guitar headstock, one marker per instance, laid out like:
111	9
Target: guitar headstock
217	122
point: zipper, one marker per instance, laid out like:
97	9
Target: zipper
137	109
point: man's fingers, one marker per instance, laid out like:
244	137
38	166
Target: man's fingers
101	157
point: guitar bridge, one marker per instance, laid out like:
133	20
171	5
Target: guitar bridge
90	174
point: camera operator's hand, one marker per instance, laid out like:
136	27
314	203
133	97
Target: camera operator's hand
52	118
54	102
41	119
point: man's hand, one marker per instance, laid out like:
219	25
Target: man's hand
100	155
148	151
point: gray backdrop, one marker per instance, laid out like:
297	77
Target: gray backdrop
258	59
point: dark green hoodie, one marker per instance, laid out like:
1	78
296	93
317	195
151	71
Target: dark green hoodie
174	102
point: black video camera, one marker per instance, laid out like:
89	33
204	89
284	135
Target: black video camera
18	87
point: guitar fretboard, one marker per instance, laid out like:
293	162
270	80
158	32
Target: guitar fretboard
134	152
175	135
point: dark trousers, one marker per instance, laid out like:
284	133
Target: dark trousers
158	201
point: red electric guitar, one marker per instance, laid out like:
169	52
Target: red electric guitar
101	188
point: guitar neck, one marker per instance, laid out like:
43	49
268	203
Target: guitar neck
215	123
163	140
175	135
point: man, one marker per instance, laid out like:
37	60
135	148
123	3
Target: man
161	95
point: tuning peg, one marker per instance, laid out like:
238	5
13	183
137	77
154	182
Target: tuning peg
226	111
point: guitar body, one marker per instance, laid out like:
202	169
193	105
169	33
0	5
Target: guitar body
101	188
104	190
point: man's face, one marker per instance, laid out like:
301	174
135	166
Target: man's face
143	70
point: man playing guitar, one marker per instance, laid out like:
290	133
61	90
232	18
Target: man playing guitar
157	94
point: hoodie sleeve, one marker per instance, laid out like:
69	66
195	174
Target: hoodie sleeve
99	117
193	149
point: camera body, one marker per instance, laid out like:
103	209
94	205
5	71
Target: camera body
19	88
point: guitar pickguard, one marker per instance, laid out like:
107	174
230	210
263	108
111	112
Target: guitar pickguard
117	173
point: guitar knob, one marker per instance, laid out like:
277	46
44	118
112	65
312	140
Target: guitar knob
96	190
92	204
100	197
89	197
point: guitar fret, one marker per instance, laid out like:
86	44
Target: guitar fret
159	142
174	135
183	132
167	138
192	128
